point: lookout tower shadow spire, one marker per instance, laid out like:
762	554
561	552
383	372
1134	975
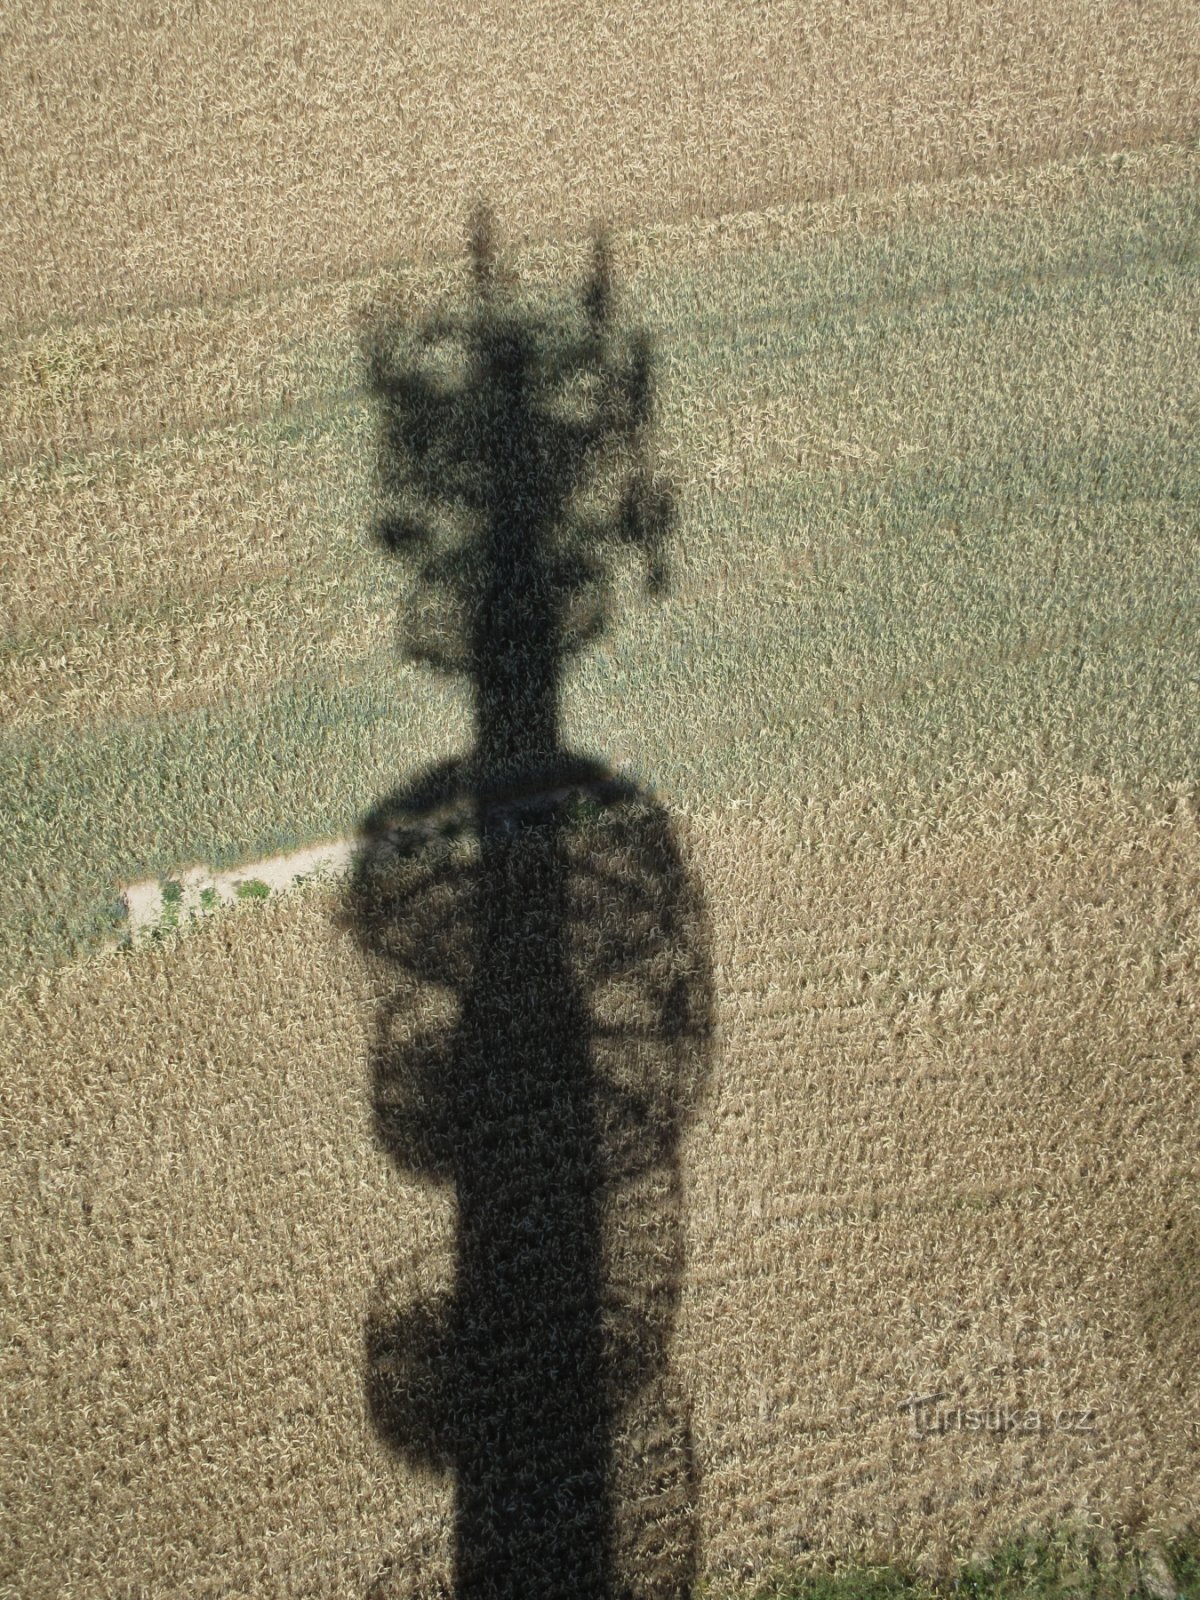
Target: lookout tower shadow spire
538	907
486	492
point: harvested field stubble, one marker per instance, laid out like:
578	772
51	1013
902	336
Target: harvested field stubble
921	708
168	156
948	1147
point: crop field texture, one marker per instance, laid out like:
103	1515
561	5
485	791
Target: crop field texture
856	956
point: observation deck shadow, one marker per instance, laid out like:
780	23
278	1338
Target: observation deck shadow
548	1027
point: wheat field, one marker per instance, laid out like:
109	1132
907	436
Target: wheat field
160	154
915	715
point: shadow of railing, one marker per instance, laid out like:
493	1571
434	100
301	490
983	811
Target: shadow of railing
548	1028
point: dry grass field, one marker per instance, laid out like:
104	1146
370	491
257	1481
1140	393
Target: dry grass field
901	1257
947	1147
158	154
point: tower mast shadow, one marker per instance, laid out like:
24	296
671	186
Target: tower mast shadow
542	906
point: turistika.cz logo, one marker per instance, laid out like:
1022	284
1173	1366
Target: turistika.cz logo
931	1413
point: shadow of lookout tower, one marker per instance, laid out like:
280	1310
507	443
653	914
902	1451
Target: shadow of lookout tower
540	907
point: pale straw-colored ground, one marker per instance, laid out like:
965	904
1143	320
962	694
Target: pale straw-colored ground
156	153
947	1148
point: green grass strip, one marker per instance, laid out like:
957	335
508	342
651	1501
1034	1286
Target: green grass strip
1066	1566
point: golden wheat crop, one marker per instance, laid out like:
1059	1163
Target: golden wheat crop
160	154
